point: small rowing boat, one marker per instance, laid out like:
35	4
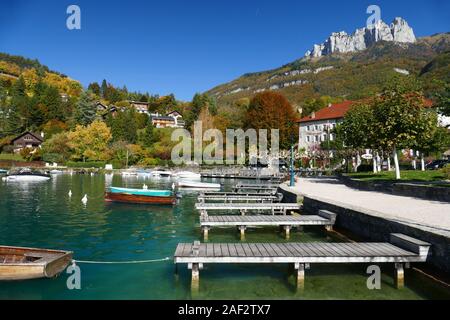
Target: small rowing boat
142	192
139	199
28	263
198	185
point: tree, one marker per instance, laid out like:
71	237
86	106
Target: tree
56	148
94	87
85	111
271	110
104	89
394	120
90	142
124	126
53	102
431	138
149	136
443	100
20	104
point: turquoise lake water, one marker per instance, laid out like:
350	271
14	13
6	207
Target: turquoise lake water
43	215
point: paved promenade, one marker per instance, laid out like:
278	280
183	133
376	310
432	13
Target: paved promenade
431	216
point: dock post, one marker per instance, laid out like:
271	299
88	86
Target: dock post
242	232
399	276
195	281
287	230
300	268
205	233
329	228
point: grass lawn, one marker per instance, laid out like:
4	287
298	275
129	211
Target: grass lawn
10	156
410	175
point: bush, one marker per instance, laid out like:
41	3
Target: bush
11	156
117	164
446	171
150	162
90	164
53	157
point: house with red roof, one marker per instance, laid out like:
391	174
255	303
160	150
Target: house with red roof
317	127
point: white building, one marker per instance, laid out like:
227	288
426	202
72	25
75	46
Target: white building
318	127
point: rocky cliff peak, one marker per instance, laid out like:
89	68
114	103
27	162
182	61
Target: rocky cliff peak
341	42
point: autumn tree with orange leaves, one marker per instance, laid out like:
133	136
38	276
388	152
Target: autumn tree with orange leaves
271	110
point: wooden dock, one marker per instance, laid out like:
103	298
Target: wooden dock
325	218
401	251
238	197
244	208
258	188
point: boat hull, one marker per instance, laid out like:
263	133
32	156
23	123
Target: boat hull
27	178
138	199
29	263
142	192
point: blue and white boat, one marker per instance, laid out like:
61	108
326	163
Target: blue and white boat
142	192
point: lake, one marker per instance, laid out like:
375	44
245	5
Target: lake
43	215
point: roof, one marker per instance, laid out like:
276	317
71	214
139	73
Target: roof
335	111
35	135
338	111
163	118
173	112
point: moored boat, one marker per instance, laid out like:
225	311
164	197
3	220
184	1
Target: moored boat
198	185
3	171
161	174
142	192
25	174
18	263
129	173
139	199
188	175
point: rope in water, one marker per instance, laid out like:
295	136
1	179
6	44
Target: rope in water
121	262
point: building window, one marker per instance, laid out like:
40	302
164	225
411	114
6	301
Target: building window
317	138
331	137
308	139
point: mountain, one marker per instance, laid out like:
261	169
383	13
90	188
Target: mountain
346	68
399	31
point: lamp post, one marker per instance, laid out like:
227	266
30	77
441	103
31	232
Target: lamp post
292	173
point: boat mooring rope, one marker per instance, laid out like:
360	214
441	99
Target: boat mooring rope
120	262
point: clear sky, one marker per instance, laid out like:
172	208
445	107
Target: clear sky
188	46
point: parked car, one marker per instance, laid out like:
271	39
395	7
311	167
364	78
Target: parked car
437	164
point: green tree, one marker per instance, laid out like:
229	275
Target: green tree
85	111
94	87
20	104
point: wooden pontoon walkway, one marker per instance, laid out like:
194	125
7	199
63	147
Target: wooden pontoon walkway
243	208
401	250
325	218
238	197
258	188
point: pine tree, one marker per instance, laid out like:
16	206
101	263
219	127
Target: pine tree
20	108
85	111
104	89
149	135
53	102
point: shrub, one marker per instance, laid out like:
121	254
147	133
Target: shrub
446	171
90	164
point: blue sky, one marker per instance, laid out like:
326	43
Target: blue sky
188	46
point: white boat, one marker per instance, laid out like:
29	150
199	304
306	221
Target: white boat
26	174
188	175
129	173
161	174
56	172
198	185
